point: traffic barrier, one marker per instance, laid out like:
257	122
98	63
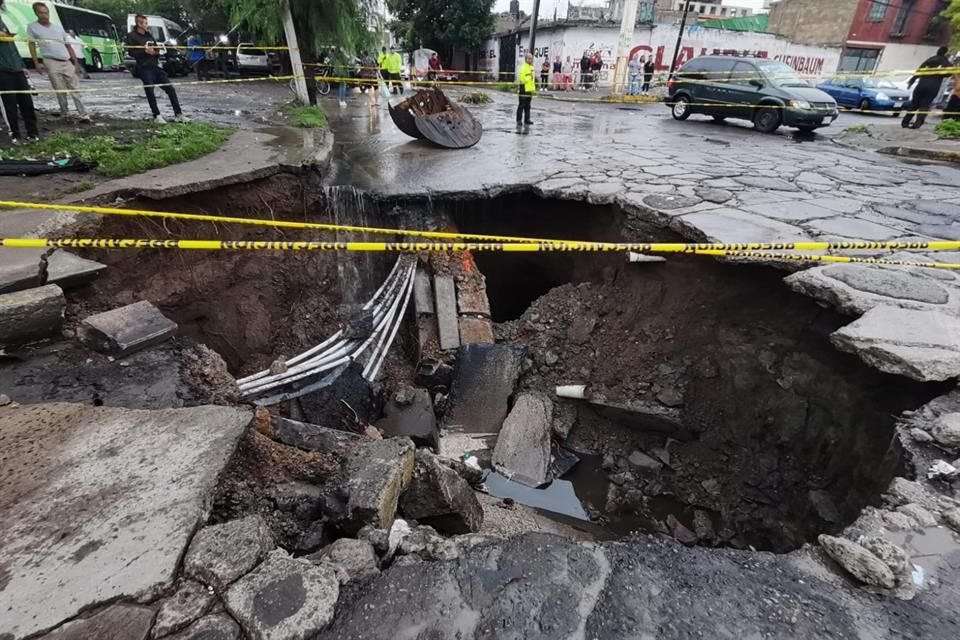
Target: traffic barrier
578	245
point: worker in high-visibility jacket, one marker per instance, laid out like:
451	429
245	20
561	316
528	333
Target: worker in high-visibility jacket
382	61
528	86
394	67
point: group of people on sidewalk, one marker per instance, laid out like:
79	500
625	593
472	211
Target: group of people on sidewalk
585	75
59	55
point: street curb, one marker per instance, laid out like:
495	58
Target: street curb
914	152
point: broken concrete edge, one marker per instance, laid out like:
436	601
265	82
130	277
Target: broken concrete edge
116	193
150	599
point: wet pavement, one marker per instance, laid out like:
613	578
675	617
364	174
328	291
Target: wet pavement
251	102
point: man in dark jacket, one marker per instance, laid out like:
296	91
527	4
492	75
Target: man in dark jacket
928	86
13	77
146	53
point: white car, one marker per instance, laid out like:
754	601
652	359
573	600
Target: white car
250	59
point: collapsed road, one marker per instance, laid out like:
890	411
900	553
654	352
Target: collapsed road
752	451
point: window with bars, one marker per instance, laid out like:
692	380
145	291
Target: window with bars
878	10
903	15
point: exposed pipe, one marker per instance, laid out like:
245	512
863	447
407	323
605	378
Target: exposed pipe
372	375
384	312
306	354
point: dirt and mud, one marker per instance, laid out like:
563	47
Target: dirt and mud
252	307
745	426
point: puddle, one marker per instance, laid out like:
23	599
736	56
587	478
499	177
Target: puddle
581	491
557	497
932	548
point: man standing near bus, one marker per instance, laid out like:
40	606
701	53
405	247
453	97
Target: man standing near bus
147	58
59	60
13	77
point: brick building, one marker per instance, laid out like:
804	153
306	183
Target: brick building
876	35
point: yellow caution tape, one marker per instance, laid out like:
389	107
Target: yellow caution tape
800	257
541	247
577	245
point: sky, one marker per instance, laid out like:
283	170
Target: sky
547	6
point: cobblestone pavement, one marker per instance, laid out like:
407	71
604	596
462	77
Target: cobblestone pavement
709	182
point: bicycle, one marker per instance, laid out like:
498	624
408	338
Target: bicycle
323	87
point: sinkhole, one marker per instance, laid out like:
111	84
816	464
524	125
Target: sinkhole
718	411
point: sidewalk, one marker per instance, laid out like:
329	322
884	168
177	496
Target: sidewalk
894	140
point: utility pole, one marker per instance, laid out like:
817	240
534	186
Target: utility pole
627	25
533	25
676	50
299	78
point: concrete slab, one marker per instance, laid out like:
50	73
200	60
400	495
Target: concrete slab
485	378
476	330
19	269
119	622
122	331
409	413
100	503
446	301
422	293
68	271
920	344
34	314
247	155
522	452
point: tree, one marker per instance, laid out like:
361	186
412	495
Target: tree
952	14
321	24
441	24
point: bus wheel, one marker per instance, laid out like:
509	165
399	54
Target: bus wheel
97	60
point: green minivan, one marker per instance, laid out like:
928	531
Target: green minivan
768	93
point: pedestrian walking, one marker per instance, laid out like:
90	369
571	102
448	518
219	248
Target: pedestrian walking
584	71
528	86
567	74
634	73
648	69
928	86
341	71
79	52
59	60
557	74
147	60
545	75
13	77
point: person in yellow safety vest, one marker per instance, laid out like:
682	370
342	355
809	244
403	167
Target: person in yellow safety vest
382	61
394	67
528	86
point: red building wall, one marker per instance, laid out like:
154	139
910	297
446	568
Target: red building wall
921	26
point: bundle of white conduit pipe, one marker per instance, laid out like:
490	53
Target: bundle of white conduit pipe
388	306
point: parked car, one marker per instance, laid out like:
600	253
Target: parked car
866	94
258	61
766	92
